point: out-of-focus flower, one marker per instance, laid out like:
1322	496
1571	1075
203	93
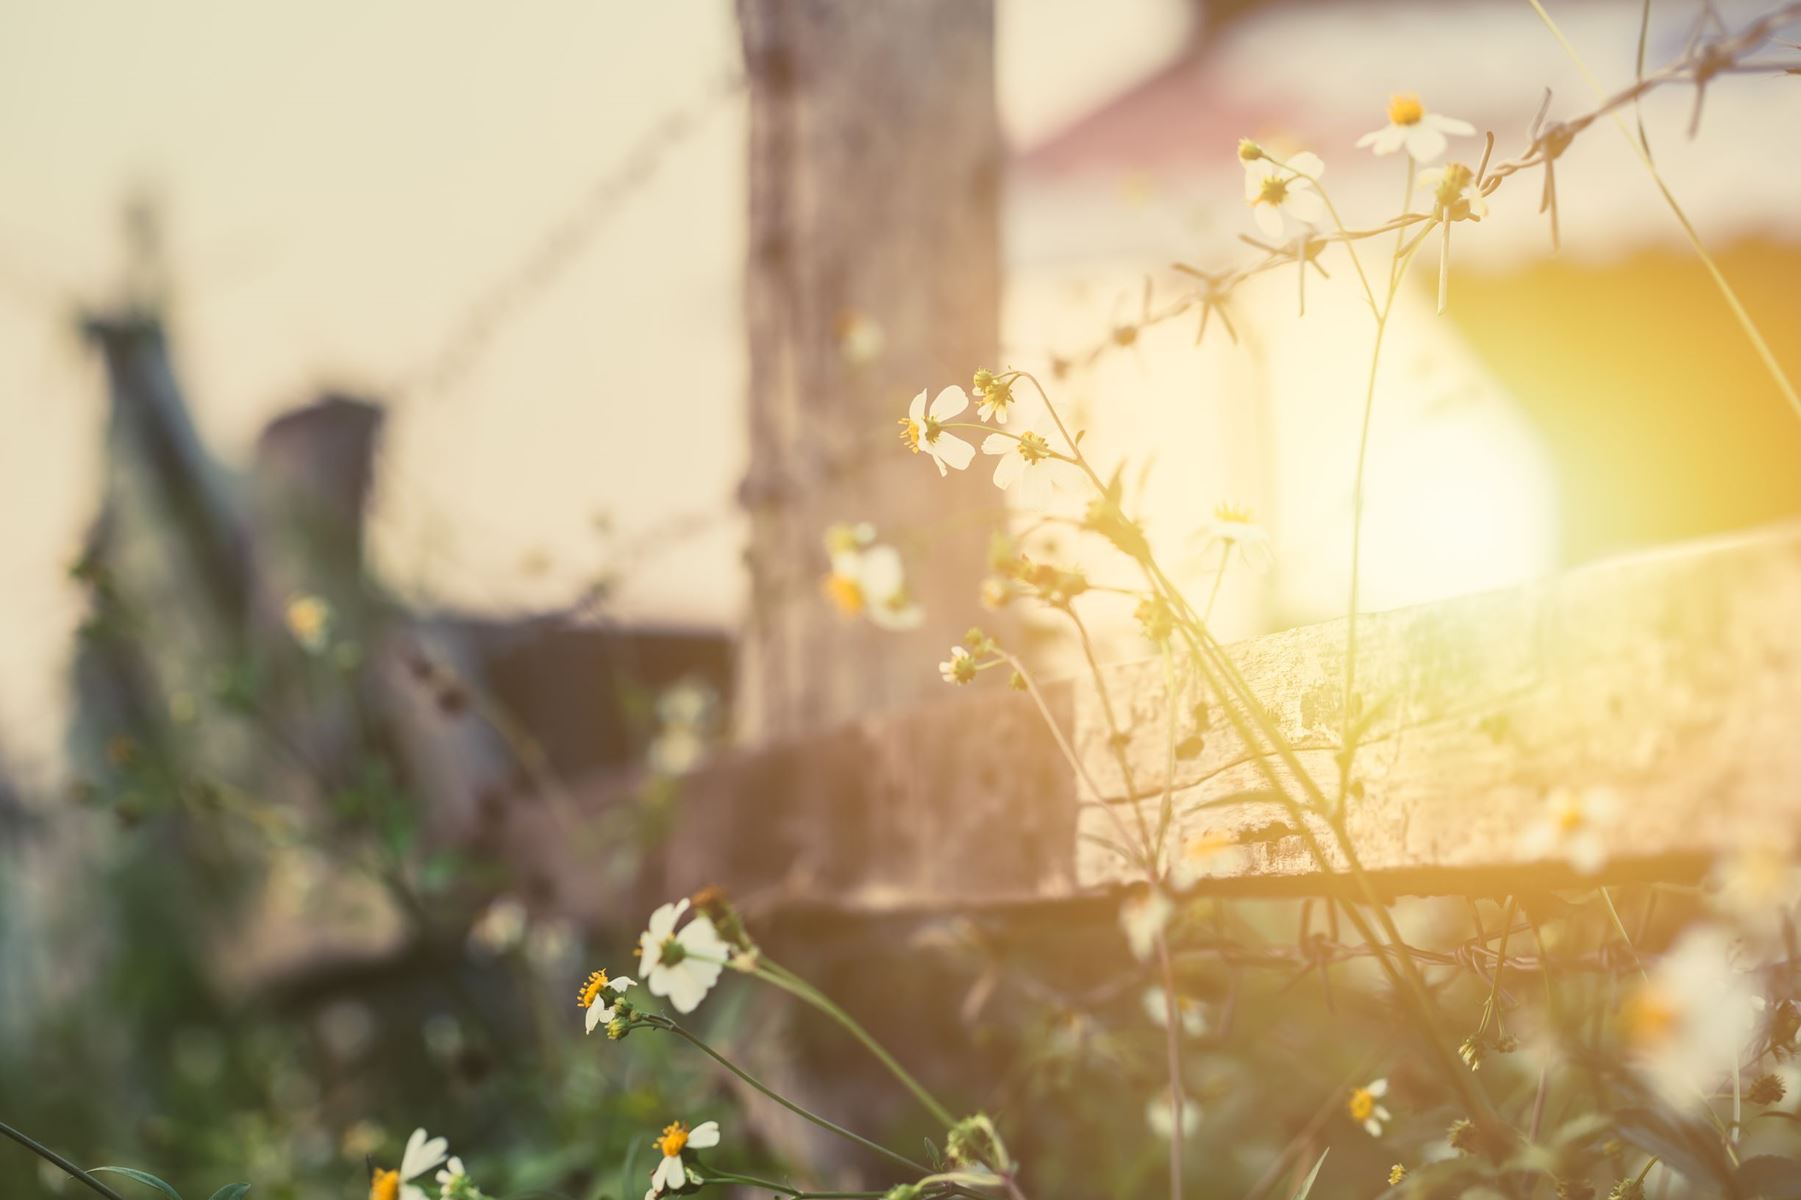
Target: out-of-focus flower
594	992
501	926
421	1155
1396	1174
1234	529
959	668
1274	189
309	620
1575	828
860	338
1411	127
670	1175
1455	196
681	966
1142	915
996	392
868	579
923	429
1189	1011
1365	1106
685	716
1690	1022
1160	1115
1757	886
1025	463
1210	854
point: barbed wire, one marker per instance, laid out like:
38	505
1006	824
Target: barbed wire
1702	62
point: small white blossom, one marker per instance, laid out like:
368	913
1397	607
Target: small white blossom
1142	916
923	429
594	994
450	1177
670	1174
1411	127
1189	1012
1365	1106
1455	196
681	966
422	1153
1026	464
1691	1022
1160	1115
1576	827
960	667
1272	190
1241	537
869	579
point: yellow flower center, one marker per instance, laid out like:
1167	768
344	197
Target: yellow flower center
1362	1104
1273	192
1033	448
910	433
844	592
385	1185
1570	818
1650	1017
1404	108
1233	514
675	1136
591	990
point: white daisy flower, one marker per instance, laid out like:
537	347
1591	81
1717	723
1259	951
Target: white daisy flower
1273	190
422	1153
1691	1023
1025	463
1210	854
682	966
670	1175
868	579
923	429
1758	886
960	667
451	1177
1410	127
1232	527
1455	196
594	994
1365	1107
1189	1012
308	618
1575	828
1143	915
1160	1115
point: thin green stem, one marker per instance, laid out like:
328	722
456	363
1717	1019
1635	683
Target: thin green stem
1172	1028
778	975
58	1161
1624	936
665	1023
784	1189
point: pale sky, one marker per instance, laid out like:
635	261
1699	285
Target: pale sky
345	179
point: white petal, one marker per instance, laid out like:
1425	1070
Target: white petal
1449	125
881	575
949	403
1387	141
409	1192
1305	205
954	450
1308	163
1255	172
1373	1127
917	410
650	954
1037	483
422	1154
1268	220
1008	470
1378	1087
669	1173
999	443
1425	143
1373	137
621	983
700	937
705	1135
595	1016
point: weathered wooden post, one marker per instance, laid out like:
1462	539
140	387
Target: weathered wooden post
874	271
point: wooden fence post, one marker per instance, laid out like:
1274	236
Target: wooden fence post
875	158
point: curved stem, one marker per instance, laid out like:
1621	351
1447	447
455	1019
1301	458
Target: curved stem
791	1106
58	1161
784	1189
774	973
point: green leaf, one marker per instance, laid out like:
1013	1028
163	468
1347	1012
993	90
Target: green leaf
232	1191
1683	1146
1307	1184
143	1177
1770	1176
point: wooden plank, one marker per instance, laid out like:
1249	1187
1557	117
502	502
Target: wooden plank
1671	679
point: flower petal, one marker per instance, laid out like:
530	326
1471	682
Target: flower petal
705	1135
1424	143
1307	163
949	403
1449	125
917	410
1305	205
1268	219
954	451
999	443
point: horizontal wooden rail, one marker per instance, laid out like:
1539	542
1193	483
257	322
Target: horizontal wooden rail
1669	682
